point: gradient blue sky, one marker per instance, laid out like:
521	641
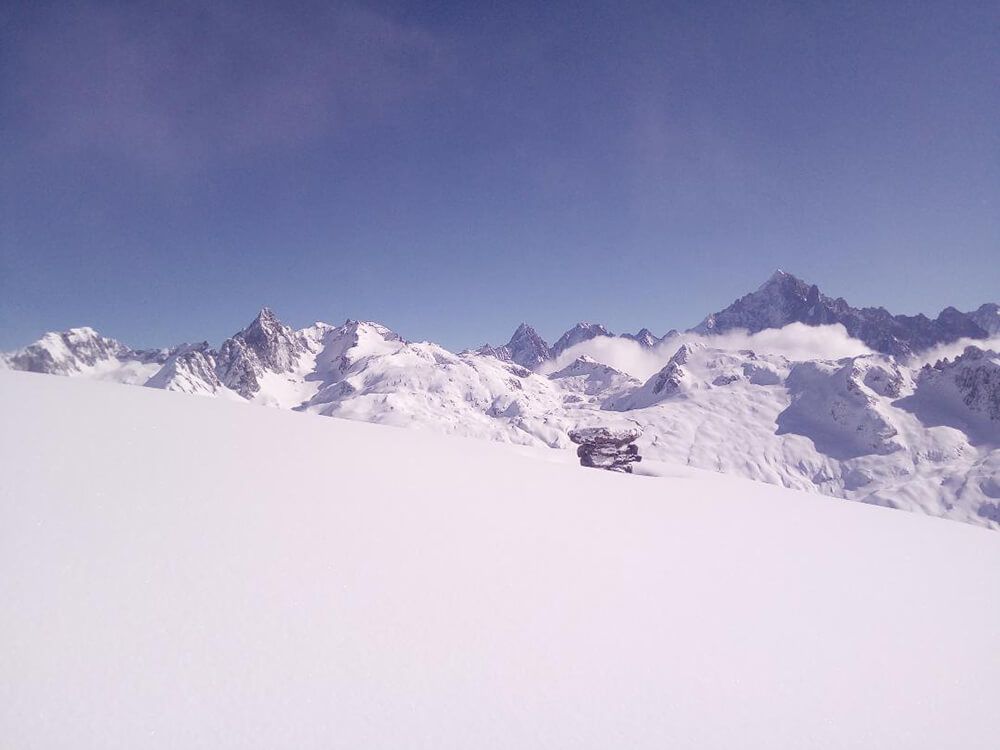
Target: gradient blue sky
451	169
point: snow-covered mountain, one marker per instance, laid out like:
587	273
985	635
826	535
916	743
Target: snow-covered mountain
785	299
525	348
83	351
644	337
987	317
578	334
187	573
874	427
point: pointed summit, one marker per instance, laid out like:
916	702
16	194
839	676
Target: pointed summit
785	299
266	315
778	277
266	345
644	338
526	347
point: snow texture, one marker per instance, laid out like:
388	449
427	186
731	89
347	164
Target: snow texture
190	573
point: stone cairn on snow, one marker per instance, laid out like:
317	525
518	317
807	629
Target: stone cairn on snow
610	448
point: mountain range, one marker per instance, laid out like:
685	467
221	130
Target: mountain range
880	427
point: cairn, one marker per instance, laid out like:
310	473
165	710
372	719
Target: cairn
613	449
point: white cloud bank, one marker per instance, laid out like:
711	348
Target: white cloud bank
796	341
952	350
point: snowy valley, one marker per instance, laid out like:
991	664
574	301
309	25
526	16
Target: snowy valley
785	386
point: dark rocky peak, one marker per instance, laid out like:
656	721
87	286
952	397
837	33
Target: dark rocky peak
525	348
577	334
266	345
987	317
784	299
644	338
275	345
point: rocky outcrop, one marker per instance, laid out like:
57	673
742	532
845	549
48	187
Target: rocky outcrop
612	449
666	383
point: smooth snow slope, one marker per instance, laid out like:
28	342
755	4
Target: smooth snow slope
192	573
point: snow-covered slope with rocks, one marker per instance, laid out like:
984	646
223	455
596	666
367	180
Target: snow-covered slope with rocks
83	351
525	348
186	573
869	427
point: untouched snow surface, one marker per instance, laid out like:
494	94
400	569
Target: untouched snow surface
193	573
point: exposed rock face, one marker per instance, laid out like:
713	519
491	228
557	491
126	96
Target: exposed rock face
963	393
265	345
67	352
977	378
83	351
785	299
644	338
189	369
578	334
987	317
607	448
525	348
669	381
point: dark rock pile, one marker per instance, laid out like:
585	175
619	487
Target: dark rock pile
613	449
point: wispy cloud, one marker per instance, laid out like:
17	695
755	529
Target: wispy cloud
795	341
952	350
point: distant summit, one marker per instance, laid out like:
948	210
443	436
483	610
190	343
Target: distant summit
784	299
525	348
578	334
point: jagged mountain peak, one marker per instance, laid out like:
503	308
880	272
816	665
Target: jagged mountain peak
778	277
785	299
987	317
266	344
644	338
525	348
266	315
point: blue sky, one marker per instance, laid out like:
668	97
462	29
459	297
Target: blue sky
451	169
